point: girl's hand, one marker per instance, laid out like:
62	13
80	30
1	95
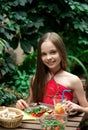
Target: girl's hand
70	107
21	104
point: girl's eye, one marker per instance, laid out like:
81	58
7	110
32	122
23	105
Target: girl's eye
53	52
43	54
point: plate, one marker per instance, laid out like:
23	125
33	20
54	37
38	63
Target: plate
34	112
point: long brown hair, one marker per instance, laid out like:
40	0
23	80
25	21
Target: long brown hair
39	82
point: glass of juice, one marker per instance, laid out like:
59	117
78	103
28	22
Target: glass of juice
59	106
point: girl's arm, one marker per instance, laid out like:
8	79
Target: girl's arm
70	107
78	89
79	92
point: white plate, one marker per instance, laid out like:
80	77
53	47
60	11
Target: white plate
27	112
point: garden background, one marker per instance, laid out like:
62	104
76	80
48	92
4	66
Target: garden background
22	23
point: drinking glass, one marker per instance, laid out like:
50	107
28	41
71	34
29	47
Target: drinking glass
59	105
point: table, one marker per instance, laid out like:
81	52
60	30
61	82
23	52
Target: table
72	124
74	121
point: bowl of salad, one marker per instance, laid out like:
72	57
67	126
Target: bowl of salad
53	122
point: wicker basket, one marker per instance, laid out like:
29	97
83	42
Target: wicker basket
14	122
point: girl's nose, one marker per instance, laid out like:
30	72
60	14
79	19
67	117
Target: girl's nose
48	56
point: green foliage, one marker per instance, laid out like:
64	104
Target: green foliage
3	44
74	61
8	96
29	64
21	78
20	83
25	21
84	124
7	64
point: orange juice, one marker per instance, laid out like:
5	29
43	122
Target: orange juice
59	108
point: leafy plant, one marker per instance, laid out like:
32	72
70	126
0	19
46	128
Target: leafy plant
84	124
7	64
8	96
29	63
20	82
22	21
74	61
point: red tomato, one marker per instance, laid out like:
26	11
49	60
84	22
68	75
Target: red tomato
57	128
44	129
33	114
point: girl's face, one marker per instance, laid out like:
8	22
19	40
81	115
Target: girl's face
50	56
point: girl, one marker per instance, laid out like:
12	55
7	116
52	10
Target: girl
51	77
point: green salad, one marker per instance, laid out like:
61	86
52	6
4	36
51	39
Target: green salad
36	111
52	124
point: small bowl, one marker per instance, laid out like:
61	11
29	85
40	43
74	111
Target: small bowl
53	122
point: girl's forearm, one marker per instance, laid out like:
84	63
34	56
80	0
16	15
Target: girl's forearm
84	109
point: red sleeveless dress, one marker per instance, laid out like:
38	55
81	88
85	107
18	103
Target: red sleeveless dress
55	89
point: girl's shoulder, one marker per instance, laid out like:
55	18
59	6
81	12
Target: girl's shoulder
67	75
68	79
74	79
73	76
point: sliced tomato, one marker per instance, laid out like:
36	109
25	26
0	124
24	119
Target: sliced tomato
57	128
